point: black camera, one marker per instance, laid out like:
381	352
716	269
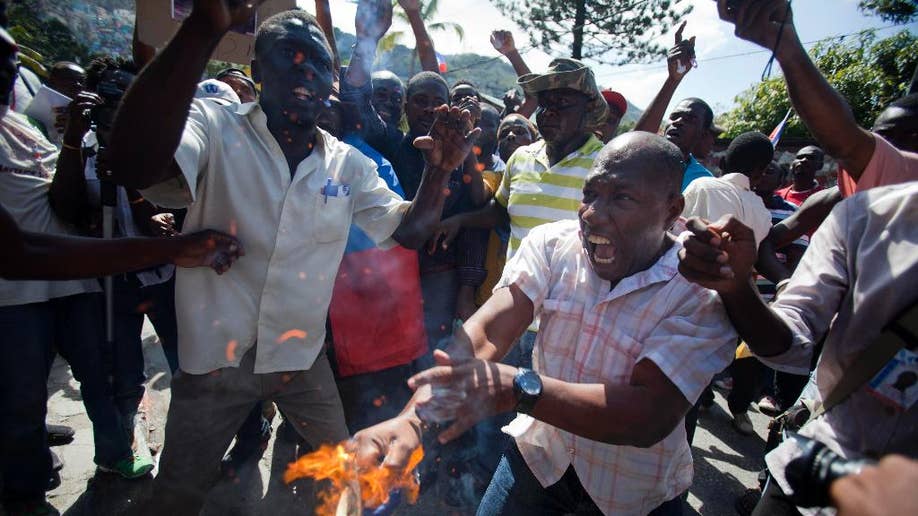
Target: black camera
811	474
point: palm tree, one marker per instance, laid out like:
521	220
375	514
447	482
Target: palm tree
428	11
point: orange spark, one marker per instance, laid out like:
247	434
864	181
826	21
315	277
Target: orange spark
231	350
335	464
291	334
233	228
466	178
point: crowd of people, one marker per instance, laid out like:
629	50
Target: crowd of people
541	301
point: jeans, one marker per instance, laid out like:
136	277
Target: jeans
28	336
439	291
515	490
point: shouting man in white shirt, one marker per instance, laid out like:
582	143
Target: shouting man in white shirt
625	347
265	172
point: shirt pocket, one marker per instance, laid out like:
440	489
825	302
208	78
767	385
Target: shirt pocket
331	217
560	324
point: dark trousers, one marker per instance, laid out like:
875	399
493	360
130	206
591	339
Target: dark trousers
774	502
515	490
28	336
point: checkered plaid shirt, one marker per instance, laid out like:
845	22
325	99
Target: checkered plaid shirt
590	334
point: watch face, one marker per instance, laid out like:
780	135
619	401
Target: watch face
530	383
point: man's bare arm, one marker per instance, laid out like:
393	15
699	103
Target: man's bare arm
679	62
154	110
423	44
826	113
503	42
58	257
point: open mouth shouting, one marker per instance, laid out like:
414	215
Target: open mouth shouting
600	249
304	94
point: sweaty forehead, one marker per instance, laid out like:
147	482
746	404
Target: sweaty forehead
429	87
894	117
299	31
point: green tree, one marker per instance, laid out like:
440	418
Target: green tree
48	36
608	31
893	11
869	73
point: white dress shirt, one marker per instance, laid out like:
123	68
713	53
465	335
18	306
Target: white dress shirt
858	274
713	197
236	179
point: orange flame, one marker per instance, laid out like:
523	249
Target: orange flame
336	464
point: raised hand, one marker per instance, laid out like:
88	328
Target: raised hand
220	15
503	41
208	248
78	117
759	22
374	17
410	5
680	59
450	139
718	255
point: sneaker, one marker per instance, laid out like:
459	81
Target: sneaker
746	503
742	423
135	466
59	434
54	481
768	406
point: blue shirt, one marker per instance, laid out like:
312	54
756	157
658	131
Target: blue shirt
693	171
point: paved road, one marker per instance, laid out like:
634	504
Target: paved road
725	462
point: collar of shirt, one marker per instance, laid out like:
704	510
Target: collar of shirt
740	181
539	151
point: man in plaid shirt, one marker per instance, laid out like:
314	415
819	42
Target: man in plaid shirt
625	347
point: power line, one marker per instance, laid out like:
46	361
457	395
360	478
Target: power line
752	52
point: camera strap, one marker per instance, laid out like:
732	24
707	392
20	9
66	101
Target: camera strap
901	333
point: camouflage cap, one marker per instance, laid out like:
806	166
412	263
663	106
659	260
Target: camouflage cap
569	73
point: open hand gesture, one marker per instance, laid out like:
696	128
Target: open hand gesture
718	255
374	17
220	15
208	248
450	139
681	57
503	41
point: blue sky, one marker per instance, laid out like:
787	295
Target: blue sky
716	80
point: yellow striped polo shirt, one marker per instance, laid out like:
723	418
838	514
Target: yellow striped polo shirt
535	193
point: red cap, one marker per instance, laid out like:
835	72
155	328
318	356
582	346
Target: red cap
616	101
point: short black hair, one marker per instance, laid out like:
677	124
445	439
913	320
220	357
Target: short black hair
665	157
103	64
708	112
748	152
464	82
423	77
273	27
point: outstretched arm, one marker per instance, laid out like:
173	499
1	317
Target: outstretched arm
806	220
826	113
503	43
424	45
56	257
151	118
679	61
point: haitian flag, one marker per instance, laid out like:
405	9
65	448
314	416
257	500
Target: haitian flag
376	312
778	131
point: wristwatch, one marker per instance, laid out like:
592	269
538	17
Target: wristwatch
527	386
